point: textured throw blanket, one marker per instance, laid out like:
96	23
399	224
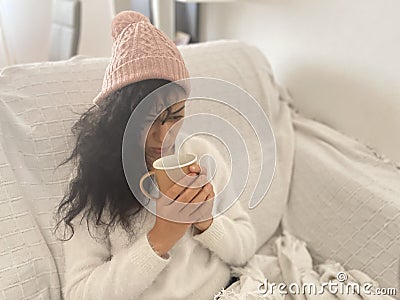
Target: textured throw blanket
321	154
289	273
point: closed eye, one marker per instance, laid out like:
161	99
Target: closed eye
173	118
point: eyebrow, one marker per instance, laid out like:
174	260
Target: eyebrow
174	112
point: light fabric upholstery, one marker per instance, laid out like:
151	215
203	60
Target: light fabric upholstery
37	105
345	202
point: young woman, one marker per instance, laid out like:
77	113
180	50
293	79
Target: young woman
115	248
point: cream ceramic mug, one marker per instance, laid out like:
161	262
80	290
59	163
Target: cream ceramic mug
168	170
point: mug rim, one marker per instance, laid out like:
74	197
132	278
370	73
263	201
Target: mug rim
194	158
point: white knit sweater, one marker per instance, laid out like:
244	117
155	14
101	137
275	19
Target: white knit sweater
124	266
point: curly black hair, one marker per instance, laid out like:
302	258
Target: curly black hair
99	182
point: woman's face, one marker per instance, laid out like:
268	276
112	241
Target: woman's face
162	134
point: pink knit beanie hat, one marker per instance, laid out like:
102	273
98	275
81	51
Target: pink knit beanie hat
140	51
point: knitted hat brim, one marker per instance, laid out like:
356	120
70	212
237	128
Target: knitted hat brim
132	71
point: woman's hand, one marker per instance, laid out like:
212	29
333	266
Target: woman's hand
175	211
207	206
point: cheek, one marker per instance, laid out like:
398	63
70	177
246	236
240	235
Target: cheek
146	139
175	129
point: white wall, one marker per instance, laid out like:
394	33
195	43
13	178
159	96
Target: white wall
26	25
95	39
339	58
26	30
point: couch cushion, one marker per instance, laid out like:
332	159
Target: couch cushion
37	105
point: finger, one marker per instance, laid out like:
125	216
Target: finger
199	199
210	196
203	211
203	171
174	191
209	201
211	191
196	168
188	212
191	191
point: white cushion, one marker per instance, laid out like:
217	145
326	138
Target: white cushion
37	102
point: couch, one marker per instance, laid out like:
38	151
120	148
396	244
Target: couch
329	190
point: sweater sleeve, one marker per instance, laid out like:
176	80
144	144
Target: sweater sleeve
91	272
231	237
